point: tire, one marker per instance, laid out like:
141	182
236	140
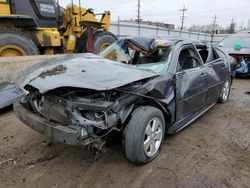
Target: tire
103	40
100	39
135	139
16	44
81	46
225	92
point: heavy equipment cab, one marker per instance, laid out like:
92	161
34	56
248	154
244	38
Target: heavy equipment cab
31	27
44	12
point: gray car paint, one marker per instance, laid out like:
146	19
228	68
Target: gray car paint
9	94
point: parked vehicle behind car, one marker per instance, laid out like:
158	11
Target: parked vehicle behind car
238	46
153	86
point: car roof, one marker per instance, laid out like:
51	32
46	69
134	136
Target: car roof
149	43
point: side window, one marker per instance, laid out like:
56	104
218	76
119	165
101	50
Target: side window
188	59
204	54
215	55
221	54
207	54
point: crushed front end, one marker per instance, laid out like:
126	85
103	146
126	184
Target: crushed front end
70	116
77	116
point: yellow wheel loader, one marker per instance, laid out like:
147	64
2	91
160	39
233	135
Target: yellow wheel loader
32	27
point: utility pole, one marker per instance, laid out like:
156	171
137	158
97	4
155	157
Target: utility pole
138	11
232	27
118	26
242	25
213	30
183	16
214	24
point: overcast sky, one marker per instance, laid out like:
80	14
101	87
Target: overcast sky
199	12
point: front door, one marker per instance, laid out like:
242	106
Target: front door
191	84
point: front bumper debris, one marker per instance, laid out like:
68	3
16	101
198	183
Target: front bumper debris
51	130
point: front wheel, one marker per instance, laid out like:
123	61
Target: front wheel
225	92
143	135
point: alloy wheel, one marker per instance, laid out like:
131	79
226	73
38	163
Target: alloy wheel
153	137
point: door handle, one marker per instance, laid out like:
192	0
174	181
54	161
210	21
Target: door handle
210	66
203	74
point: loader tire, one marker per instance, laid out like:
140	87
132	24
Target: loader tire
81	46
16	44
103	40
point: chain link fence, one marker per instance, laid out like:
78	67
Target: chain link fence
131	29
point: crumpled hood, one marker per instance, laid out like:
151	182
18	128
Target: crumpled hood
81	71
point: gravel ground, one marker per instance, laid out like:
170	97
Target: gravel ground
212	152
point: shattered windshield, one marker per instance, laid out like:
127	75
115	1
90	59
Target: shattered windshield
157	61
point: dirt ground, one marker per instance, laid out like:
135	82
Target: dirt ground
212	152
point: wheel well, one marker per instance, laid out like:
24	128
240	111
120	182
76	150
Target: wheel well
232	78
160	106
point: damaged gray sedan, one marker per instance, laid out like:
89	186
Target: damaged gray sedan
150	87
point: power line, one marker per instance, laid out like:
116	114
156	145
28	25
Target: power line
183	16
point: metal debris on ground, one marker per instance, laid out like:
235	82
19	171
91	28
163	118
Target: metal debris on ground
42	159
7	161
247	92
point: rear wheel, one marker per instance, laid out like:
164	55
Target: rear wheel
15	44
225	92
144	134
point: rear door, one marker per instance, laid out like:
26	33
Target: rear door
216	75
191	84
